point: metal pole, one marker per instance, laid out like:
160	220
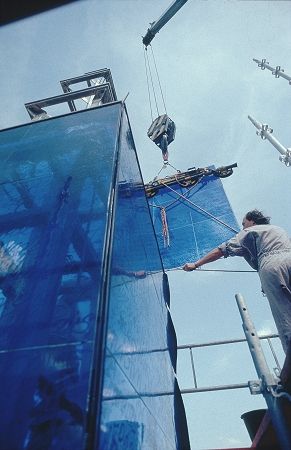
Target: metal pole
193	368
277	71
267	379
266	133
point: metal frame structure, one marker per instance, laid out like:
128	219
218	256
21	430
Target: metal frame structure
196	388
100	91
222	387
267	385
96	78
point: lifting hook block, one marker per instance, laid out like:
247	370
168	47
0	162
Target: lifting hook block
162	133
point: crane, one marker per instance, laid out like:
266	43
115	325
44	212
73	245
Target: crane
165	17
162	130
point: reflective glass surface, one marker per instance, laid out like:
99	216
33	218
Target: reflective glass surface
55	181
195	223
57	185
139	397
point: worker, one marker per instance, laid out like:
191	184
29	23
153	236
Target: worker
267	249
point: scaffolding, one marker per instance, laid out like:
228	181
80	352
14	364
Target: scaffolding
264	131
99	91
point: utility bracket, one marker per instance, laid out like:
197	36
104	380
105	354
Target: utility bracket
255	387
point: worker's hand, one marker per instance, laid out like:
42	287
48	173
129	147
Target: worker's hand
188	267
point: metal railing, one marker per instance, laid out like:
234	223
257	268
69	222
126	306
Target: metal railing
196	388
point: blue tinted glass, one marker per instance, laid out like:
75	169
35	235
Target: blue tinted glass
195	223
56	185
55	182
139	398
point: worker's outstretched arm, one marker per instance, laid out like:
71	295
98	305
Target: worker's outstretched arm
215	254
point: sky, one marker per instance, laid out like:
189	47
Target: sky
210	85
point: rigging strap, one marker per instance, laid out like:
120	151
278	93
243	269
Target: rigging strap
201	209
164	166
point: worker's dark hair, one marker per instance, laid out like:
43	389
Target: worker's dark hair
258	217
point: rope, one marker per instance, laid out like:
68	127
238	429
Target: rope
162	95
206	270
214	270
227	270
187	181
283	394
165	228
201	209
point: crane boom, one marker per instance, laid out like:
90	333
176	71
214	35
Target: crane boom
165	17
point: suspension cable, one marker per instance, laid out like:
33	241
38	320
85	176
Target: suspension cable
148	85
161	91
152	83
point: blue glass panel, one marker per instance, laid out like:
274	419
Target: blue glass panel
140	398
55	184
196	222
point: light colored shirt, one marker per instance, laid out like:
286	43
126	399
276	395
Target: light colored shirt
254	242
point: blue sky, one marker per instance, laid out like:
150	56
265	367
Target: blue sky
210	83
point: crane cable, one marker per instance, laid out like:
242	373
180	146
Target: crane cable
150	82
148	85
158	78
150	79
